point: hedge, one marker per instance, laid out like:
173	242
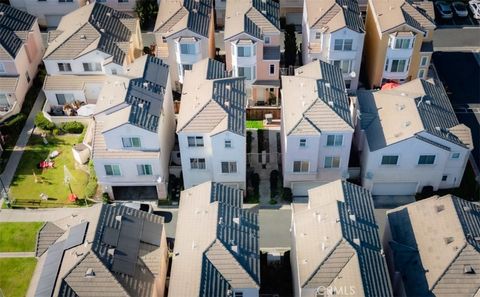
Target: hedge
72	127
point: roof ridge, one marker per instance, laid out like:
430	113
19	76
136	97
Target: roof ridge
171	17
449	265
195	115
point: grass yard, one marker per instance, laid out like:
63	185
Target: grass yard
18	237
254	124
27	187
15	275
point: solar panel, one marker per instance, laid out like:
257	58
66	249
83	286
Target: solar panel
110	236
126	253
76	235
151	233
48	276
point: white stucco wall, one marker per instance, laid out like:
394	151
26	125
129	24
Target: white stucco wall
77	65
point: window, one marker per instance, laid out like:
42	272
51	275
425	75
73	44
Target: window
65	0
303	142
402	43
423	61
389	160
426	160
228	143
144	169
197	163
348	83
334	140
300	166
112	170
64	67
2	68
4	102
421	73
386	65
92	67
188	49
122	1
343	44
266	39
455	155
444	177
399	66
238	294
318	35
63	99
229	167
27	76
272	69
247	72
332	162
195	141
244	51
114	71
131	142
345	65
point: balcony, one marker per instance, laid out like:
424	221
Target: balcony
68	113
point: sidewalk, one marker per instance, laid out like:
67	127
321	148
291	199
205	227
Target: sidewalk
9	172
38	215
17	255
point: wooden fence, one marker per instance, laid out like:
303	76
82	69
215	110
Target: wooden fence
258	113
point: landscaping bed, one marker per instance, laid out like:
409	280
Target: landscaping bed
254	124
19	236
15	275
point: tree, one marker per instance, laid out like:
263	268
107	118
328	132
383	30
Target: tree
146	11
290	45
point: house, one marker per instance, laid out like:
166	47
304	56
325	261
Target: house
211	126
88	44
252	47
127	6
398	40
433	247
184	33
333	31
106	250
216	245
292	11
21	51
410	139
317	127
48	12
135	132
336	247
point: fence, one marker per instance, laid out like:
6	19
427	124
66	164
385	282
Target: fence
258	113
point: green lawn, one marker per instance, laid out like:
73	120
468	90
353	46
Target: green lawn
18	237
27	187
15	275
254	124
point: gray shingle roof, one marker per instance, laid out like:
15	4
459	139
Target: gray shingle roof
128	248
13	20
48	234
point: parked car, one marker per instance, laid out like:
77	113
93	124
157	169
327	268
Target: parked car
444	9
475	8
139	206
460	9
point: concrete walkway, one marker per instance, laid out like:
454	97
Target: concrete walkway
38	215
9	172
17	255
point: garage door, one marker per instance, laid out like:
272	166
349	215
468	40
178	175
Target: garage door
53	20
294	18
301	188
394	188
135	193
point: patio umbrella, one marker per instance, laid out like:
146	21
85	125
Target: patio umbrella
390	85
72	197
86	110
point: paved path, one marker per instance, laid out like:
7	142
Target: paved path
18	255
37	215
9	172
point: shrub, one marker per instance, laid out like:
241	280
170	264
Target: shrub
290	45
72	127
287	194
82	135
55	131
91	188
43	123
146	11
106	198
274	175
249	142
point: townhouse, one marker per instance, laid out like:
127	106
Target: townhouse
333	31
336	248
184	33
317	127
216	249
108	250
410	139
134	132
252	47
398	41
89	43
211	126
48	12
433	247
21	51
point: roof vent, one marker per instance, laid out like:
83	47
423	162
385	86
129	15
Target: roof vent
440	208
118	218
146	84
228	87
235	249
467	208
194	10
438	128
428	102
327	84
194	245
345	6
449	239
352	217
264	1
357	241
305	261
111	252
83	37
400	106
324	246
264	11
330	102
406	124
102	30
2	13
468	269
403	94
236	221
89	273
109	14
140	105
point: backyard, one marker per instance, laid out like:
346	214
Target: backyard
48	182
18	237
15	275
254	124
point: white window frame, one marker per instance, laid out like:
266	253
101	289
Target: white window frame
341	65
64	67
142	169
188	47
318	35
231	167
2	95
445	176
112	166
128	142
302	143
336	139
68	97
304	166
243	47
455	156
427	164
383	156
228	144
2	68
331	164
270	69
267	39
342	43
195	164
92	67
421	73
195	141
252	70
422	59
